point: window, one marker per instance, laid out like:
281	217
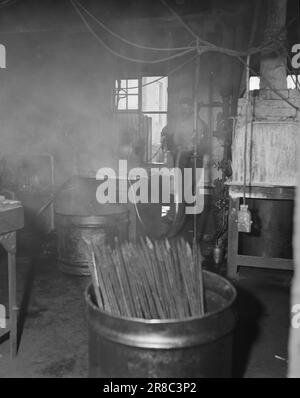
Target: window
148	98
254	83
291	82
127	94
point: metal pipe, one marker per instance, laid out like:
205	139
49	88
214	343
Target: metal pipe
195	135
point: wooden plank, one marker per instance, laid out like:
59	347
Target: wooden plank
264	262
263	192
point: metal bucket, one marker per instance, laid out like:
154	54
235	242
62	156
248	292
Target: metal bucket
73	230
195	347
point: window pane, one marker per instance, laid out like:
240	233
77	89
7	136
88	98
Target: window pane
158	122
155	95
124	83
292	80
133	102
133	86
254	83
122	104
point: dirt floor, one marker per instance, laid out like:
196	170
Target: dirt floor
53	331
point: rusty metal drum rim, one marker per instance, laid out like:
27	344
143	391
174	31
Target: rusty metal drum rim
164	334
71	270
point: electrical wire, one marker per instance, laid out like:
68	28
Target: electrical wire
126	58
117	36
178	67
178	17
141	86
208	45
171	72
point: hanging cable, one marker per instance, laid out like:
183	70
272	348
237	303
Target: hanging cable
207	46
210	46
117	36
113	52
171	72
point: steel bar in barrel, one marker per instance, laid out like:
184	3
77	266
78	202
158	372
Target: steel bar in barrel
174	279
159	280
94	275
143	275
188	271
125	280
116	260
150	282
154	286
186	279
156	273
114	309
132	285
201	282
139	286
107	306
169	299
112	274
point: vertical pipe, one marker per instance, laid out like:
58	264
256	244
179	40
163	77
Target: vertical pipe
195	135
197	264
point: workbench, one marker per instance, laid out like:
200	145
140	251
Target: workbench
11	220
235	260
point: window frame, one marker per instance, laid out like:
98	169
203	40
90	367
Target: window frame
139	110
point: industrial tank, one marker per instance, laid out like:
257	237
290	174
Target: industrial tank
191	348
268	146
79	217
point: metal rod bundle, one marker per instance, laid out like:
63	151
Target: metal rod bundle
148	280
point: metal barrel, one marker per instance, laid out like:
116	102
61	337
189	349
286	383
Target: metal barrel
195	347
73	230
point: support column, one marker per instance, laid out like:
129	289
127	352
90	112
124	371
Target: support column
273	63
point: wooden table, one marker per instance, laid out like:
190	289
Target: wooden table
234	258
11	220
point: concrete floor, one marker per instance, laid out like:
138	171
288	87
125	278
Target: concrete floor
54	336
